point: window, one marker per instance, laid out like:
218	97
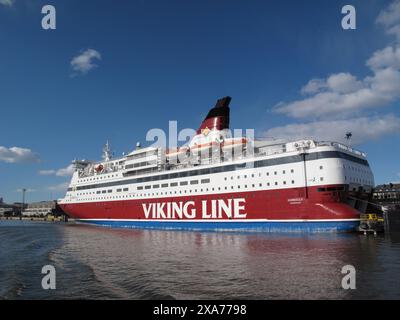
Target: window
194	182
183	183
139	188
146	187
174	184
156	186
109	191
205	181
321	167
126	189
164	185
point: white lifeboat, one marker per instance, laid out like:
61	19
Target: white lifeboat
204	146
234	143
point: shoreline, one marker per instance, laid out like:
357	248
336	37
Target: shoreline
38	219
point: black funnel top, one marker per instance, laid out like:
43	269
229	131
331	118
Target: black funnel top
221	108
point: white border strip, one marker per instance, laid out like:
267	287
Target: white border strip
222	220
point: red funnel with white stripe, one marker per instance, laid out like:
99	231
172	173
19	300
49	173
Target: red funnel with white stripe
218	117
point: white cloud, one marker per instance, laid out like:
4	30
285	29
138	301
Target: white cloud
66	172
342	95
343	83
47	172
387	57
84	62
59	187
63	172
7	2
339	83
313	86
18	155
390	16
364	129
390	19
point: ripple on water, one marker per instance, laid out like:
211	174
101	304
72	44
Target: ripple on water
94	263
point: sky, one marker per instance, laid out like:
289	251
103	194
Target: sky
113	70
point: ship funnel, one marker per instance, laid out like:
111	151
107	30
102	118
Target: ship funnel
218	117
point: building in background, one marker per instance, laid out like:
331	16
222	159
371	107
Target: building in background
9	209
387	193
41	209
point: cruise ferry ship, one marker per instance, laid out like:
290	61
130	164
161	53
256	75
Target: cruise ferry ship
221	182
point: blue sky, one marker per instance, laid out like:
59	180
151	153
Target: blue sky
115	69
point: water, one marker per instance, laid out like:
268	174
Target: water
94	262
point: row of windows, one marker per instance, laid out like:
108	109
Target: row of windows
276	194
193	182
185	191
140	164
98	178
358	180
226	188
174	184
110	191
156	186
358	169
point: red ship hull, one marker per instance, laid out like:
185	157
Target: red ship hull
292	209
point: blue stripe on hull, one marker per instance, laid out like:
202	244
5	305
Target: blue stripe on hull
262	226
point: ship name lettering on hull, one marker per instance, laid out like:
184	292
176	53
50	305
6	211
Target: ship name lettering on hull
209	209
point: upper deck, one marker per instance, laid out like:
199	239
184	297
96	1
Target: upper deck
148	161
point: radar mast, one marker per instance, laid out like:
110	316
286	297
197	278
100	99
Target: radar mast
107	153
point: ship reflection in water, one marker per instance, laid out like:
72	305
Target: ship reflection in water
94	262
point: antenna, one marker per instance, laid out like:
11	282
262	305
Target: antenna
23	200
348	137
107	153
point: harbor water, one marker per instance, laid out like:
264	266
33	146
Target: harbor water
102	263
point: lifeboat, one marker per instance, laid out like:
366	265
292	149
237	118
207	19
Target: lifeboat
204	146
234	143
